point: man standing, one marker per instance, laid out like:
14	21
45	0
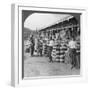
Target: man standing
78	51
40	47
72	46
31	45
51	43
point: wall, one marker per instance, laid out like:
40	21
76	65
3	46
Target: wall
5	42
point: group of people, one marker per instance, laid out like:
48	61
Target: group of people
57	48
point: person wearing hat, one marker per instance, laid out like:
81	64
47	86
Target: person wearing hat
31	45
50	45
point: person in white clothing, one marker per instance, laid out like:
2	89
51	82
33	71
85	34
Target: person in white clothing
72	44
72	47
51	43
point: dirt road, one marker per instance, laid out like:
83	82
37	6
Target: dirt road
40	66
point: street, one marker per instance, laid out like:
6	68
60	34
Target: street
40	66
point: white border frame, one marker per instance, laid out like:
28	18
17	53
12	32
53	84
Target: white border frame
16	35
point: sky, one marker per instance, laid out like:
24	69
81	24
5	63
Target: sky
38	21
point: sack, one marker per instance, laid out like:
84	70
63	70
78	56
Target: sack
28	50
35	53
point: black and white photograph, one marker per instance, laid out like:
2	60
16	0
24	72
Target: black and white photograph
50	43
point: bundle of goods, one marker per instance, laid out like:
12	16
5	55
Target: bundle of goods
44	52
63	50
55	51
58	53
